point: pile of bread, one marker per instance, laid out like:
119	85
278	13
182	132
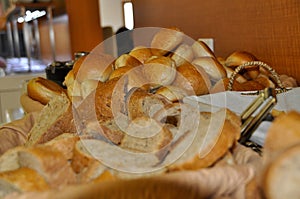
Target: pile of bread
122	122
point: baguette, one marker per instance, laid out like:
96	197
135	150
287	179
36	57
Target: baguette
43	90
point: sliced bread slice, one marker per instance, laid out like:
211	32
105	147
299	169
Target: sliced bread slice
55	118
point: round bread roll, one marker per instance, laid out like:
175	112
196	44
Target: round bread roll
201	49
95	66
239	78
212	67
240	57
120	71
43	90
265	81
182	54
126	60
160	70
288	82
222	85
29	105
172	93
191	79
165	41
141	53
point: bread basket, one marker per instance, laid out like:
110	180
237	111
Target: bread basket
275	76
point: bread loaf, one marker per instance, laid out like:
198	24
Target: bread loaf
55	118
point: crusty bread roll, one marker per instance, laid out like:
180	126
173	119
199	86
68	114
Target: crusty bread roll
96	66
160	70
166	40
239	78
222	85
193	80
21	180
265	81
172	93
43	90
212	67
141	53
201	49
126	60
287	81
240	57
182	54
120	71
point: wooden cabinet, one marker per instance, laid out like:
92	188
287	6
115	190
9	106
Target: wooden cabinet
84	24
